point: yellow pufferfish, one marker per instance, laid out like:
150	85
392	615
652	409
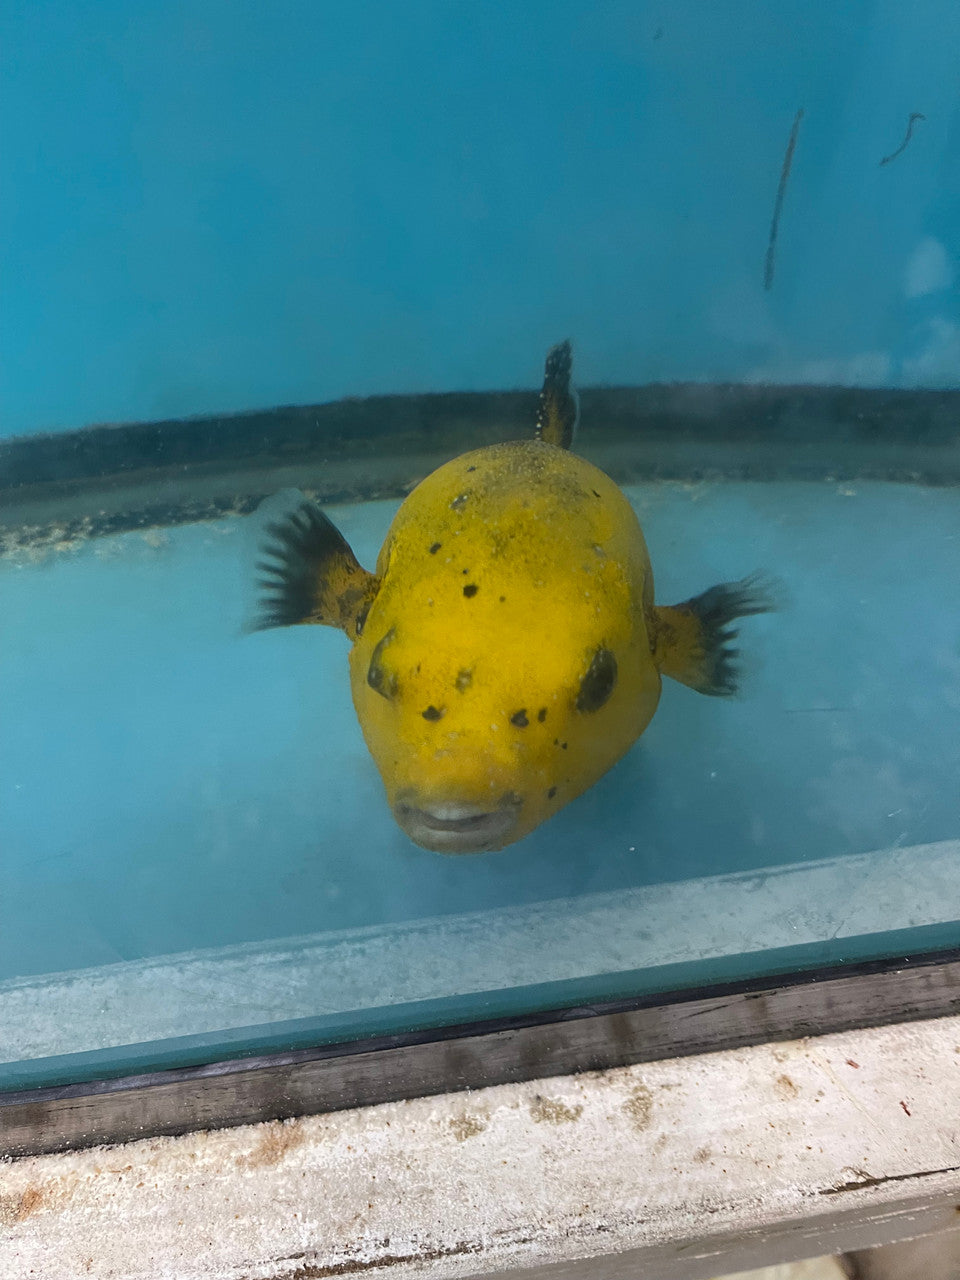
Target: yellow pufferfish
507	651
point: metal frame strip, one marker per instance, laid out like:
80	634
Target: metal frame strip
389	1068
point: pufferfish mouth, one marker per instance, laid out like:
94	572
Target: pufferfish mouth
455	827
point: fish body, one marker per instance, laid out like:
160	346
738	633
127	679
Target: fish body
503	576
507	651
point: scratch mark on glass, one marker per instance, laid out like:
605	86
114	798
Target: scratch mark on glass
778	204
914	117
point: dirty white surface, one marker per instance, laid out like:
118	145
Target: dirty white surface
677	1170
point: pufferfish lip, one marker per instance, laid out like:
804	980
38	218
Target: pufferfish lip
455	827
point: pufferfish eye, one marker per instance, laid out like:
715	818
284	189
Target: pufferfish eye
598	684
378	677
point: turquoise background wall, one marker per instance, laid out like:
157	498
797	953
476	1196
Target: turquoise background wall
213	206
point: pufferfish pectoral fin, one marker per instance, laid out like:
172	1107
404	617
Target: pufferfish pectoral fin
559	409
692	641
311	575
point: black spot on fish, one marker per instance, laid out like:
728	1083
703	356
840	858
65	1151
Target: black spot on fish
503	599
435	548
519	718
459	502
464	570
563	746
471	468
378	678
464	680
542	714
599	682
470	590
594	492
551	793
432	713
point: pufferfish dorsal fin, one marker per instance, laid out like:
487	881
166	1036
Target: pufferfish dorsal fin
311	575
559	409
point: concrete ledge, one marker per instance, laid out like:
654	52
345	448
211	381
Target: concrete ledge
676	1170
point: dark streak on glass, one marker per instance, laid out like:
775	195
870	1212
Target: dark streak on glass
914	117
778	203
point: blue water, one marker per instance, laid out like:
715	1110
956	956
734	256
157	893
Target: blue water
170	782
239	205
242	205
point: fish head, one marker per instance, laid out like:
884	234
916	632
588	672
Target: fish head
481	732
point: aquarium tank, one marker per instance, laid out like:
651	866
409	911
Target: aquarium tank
266	269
